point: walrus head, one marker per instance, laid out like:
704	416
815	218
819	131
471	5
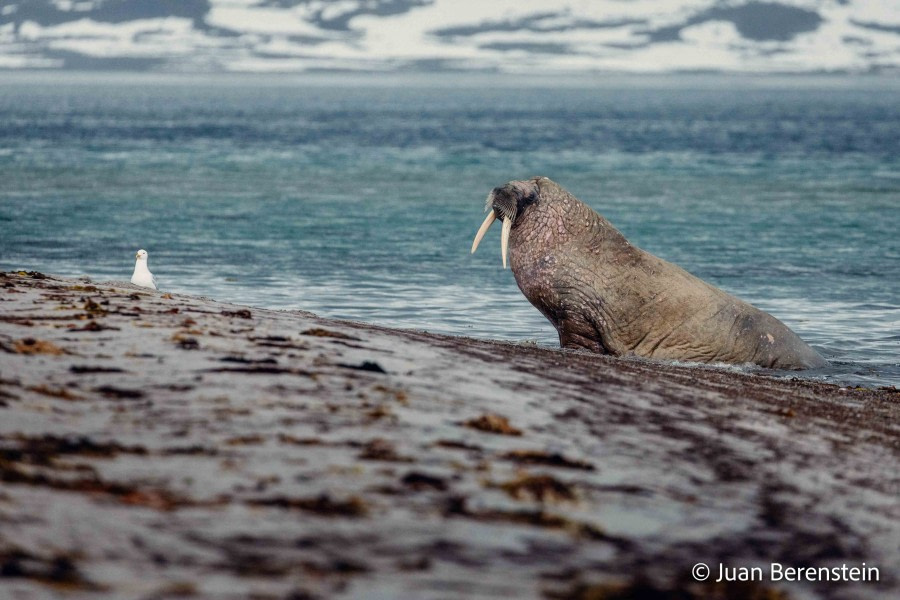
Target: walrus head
506	203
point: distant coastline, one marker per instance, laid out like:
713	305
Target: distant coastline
888	80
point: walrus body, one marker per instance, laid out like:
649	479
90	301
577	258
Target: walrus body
608	296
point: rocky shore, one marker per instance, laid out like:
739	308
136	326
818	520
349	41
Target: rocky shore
155	445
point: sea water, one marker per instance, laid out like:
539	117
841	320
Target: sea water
359	197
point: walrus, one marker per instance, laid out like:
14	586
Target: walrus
606	295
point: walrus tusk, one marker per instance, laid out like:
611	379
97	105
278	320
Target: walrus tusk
488	221
504	238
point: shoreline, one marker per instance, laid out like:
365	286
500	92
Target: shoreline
164	440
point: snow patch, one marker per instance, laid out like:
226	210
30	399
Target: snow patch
507	35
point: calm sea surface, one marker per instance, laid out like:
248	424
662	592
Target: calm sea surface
360	199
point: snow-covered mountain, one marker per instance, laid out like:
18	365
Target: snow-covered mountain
525	36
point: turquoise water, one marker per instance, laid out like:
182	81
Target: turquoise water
361	200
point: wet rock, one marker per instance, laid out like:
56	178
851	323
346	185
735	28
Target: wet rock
492	423
186	342
543	488
263	368
366	365
45	449
58	571
320	332
289	439
95	326
550	459
87	369
248	361
323	505
32	274
422	481
239	314
35	346
119	393
457	445
384	450
534	518
245	440
93	308
63	393
128	494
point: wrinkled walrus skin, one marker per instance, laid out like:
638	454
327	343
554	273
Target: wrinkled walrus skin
608	296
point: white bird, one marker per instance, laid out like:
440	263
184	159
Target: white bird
142	275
